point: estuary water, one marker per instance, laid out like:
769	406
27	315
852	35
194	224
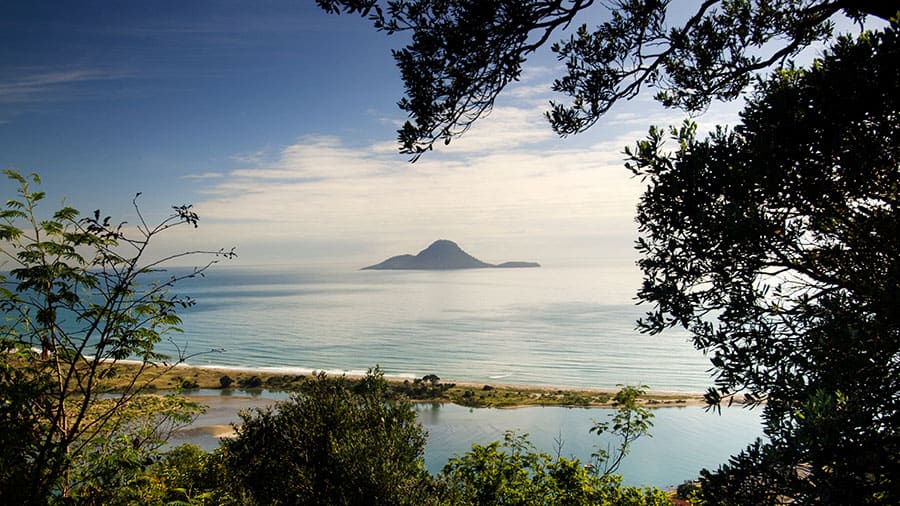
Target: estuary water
683	440
554	325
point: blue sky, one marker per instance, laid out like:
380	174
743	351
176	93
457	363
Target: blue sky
278	122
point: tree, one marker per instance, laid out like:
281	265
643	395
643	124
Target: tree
432	380
183	475
335	442
74	424
776	245
463	53
630	422
514	473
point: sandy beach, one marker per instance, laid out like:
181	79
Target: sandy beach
222	411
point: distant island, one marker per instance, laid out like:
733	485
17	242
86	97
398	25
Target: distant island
442	255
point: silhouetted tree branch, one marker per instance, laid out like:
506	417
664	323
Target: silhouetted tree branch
463	53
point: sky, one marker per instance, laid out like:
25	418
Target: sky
277	122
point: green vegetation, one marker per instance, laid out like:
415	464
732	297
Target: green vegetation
462	54
426	389
348	442
334	442
513	472
630	422
73	292
775	245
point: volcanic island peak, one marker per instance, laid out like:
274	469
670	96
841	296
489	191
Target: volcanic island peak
442	255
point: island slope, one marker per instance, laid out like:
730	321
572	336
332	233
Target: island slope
442	255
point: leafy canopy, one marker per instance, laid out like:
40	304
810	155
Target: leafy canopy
463	53
776	245
75	303
514	472
335	442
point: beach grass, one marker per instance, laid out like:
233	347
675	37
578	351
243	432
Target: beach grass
494	395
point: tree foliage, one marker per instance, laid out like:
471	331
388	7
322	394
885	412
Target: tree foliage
630	422
185	475
344	441
336	442
463	53
513	472
74	304
776	245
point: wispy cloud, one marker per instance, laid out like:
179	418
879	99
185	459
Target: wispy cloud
253	158
504	187
508	185
43	85
506	128
317	158
204	176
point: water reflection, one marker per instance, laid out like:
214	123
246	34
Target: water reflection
684	440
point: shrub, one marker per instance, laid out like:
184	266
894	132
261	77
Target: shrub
251	382
225	381
335	442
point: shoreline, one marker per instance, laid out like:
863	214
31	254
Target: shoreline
222	405
249	381
221	411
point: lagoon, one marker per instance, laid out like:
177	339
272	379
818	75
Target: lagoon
684	440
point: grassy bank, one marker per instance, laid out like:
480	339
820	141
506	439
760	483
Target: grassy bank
427	389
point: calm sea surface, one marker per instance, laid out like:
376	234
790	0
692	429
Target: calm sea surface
569	326
552	326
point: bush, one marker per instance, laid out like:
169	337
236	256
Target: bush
77	291
335	442
251	382
225	381
513	472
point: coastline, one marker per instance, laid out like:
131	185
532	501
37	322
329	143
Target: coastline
222	411
222	405
238	382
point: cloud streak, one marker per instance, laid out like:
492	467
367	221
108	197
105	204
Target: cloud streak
319	189
46	85
205	176
508	185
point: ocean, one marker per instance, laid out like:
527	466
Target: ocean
554	325
572	326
